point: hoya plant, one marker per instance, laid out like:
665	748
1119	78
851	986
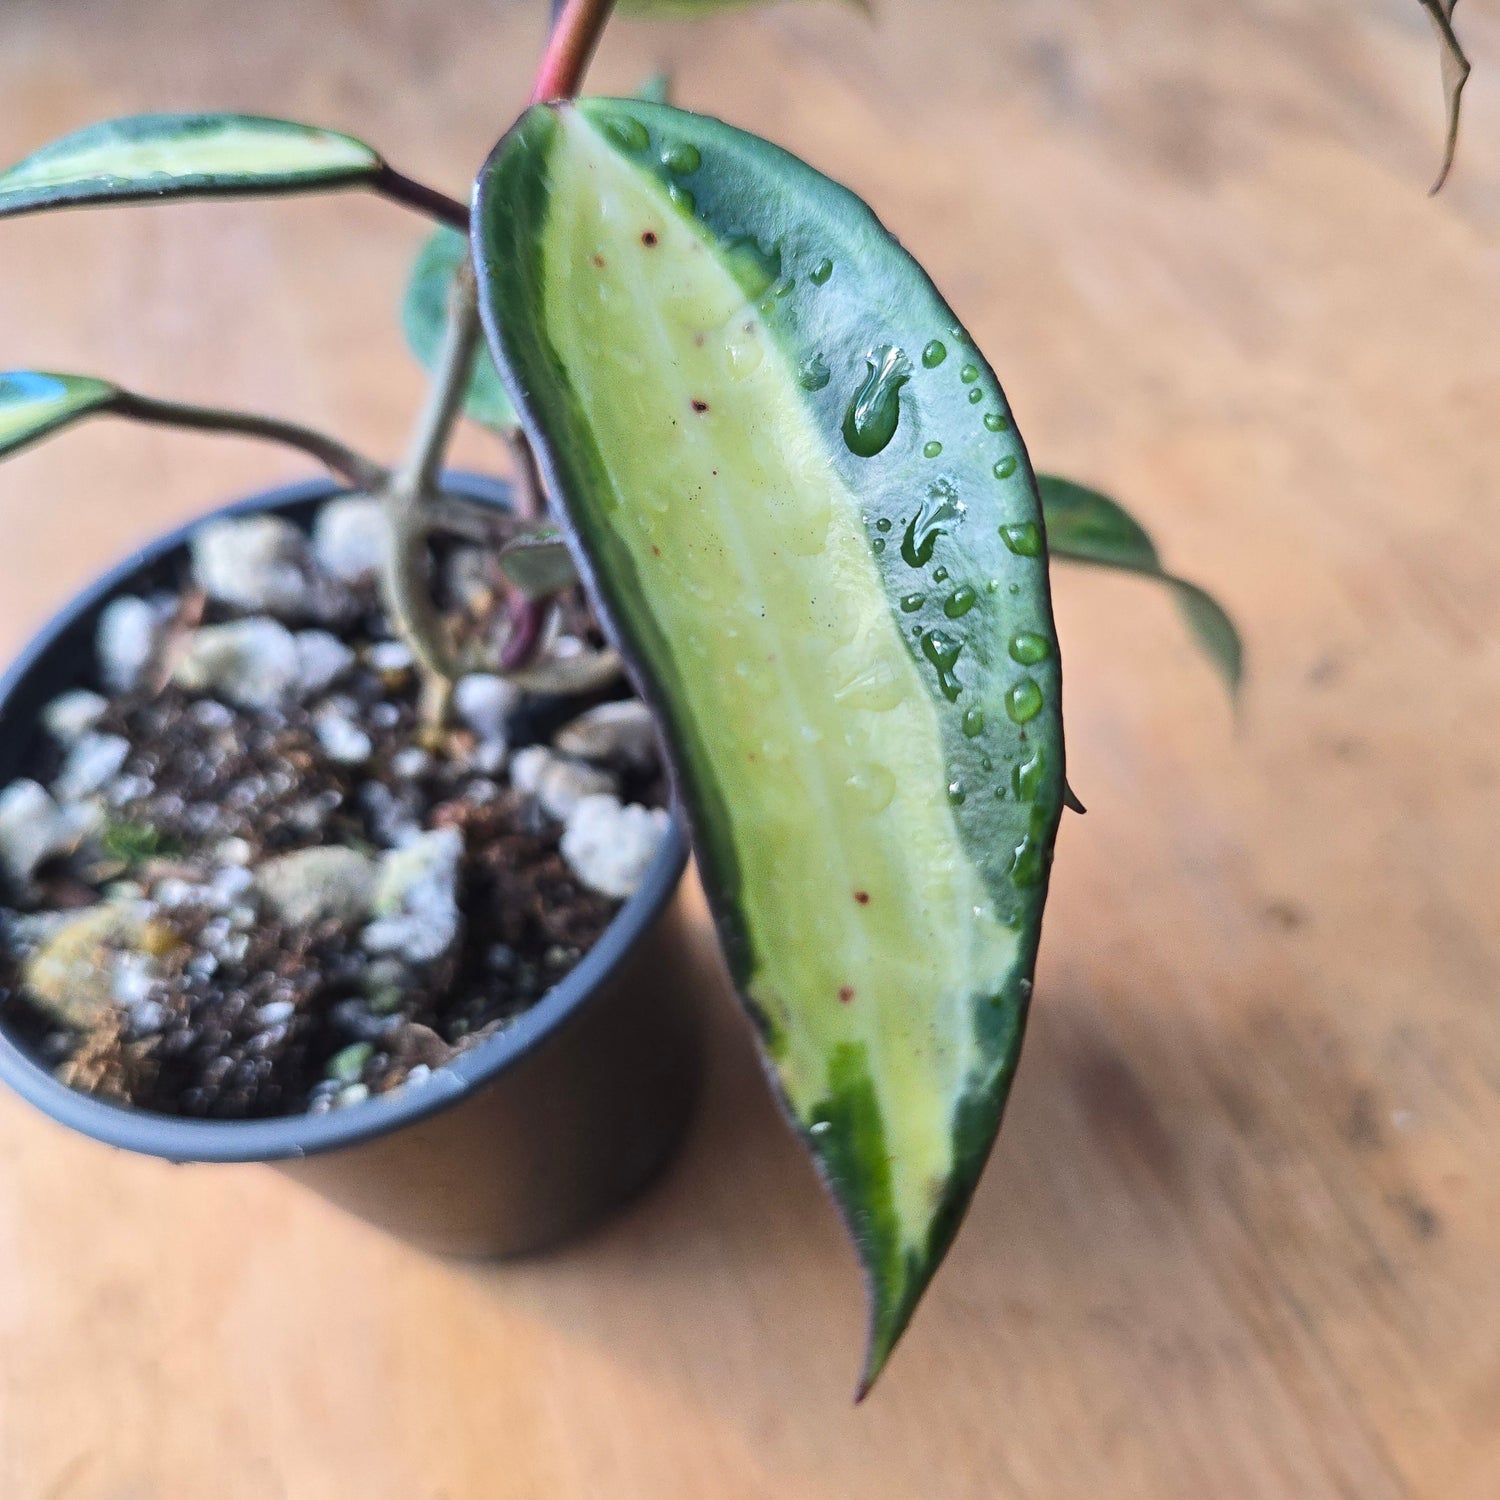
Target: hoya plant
796	494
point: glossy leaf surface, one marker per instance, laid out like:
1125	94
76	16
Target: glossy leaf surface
34	404
1085	526
184	156
796	491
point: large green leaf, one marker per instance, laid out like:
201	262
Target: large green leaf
1085	526
181	156
424	316
795	488
34	403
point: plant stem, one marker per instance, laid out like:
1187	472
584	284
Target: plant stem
363	473
407	496
575	34
417	195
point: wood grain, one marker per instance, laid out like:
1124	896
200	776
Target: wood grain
1240	1237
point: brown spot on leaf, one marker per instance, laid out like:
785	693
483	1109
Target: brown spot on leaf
649	238
599	261
699	405
846	994
863	897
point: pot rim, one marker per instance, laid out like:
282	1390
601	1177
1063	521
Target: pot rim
290	1136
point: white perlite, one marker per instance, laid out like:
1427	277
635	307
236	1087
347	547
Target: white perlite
348	538
71	715
251	662
129	635
614	734
416	898
558	784
317	885
484	702
254	563
608	847
341	738
34	829
322	659
89	765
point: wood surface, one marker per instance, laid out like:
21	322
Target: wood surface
1241	1236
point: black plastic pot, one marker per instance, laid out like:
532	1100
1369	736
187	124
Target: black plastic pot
517	1144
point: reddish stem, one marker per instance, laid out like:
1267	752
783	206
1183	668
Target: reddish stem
527	619
569	49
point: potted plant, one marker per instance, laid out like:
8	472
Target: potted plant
332	834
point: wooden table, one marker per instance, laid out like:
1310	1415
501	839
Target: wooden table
1240	1237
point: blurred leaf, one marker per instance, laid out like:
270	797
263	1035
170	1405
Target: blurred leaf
135	843
1085	526
539	565
682	9
1455	75
34	403
184	156
657	89
424	316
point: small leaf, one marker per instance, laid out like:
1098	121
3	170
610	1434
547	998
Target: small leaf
739	387
424	316
1085	526
539	565
1455	76
657	89
184	156
34	403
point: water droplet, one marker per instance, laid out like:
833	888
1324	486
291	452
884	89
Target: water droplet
681	197
878	546
943	652
984	760
1006	467
957	796
969	374
753	267
993	586
1024	539
960	602
934	354
883	524
1026	864
941	576
1024	701
1029	648
932	449
821	272
976	396
995	422
911	603
875	411
1026	778
924	528
625	130
745	355
974	727
813	375
871	786
682	158
877	685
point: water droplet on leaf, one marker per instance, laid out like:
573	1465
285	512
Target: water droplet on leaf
934	354
911	603
875	411
682	159
1029	648
1023	702
943	652
1006	467
960	602
995	422
821	272
969	374
1024	539
974	727
932	449
627	131
813	375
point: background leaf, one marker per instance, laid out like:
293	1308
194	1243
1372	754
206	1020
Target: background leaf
539	565
424	316
1086	526
184	156
34	403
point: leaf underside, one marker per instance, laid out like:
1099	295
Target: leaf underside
184	156
796	492
34	403
1088	527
